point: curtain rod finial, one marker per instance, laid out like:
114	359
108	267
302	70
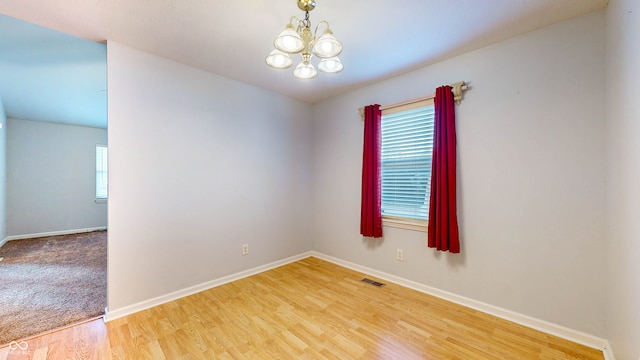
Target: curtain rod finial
457	89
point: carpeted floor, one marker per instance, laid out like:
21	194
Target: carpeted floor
50	282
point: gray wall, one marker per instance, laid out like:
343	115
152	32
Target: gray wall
199	165
51	178
623	177
531	177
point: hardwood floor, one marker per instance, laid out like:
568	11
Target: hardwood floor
310	309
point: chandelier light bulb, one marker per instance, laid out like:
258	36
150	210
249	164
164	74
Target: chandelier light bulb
289	41
327	46
278	60
330	65
305	70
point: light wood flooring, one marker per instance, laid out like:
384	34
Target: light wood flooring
310	309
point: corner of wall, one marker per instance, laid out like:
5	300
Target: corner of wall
622	173
3	175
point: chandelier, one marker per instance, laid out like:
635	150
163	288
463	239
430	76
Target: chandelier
296	38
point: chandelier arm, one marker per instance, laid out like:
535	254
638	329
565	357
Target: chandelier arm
315	33
295	20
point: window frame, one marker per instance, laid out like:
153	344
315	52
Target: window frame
402	222
98	170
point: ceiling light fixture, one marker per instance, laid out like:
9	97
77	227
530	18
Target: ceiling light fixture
296	38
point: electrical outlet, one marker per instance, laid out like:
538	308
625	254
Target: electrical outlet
245	249
399	255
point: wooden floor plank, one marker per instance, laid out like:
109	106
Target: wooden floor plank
310	309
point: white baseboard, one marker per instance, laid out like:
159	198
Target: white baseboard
541	325
608	352
2	242
111	315
53	233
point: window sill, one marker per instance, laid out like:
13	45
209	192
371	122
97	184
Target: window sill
100	201
405	224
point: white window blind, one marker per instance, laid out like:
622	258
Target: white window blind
101	172
407	144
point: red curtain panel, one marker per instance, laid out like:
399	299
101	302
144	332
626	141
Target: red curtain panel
443	219
371	202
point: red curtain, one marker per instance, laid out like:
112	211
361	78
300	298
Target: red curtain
370	209
443	218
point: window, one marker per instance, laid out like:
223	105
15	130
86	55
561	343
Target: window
407	144
101	172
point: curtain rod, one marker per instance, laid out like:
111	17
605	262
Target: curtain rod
457	89
407	102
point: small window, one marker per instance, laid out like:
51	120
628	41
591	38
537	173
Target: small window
407	145
101	172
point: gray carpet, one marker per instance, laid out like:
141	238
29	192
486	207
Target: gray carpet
50	282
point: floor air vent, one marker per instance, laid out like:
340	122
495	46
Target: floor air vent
372	282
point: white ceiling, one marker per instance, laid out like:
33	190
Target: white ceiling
381	38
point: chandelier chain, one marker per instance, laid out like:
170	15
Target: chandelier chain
306	22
